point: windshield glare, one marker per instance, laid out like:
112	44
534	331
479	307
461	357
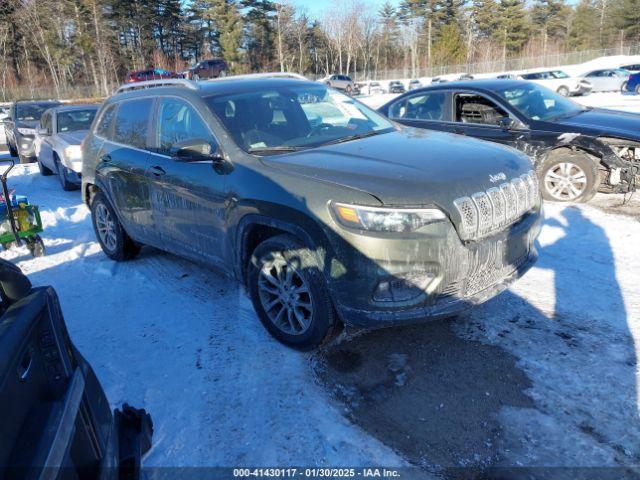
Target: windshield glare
295	117
75	120
32	111
539	103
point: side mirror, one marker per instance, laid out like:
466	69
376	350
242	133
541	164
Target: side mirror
43	132
506	123
196	150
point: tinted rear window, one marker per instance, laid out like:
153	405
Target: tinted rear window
131	122
106	121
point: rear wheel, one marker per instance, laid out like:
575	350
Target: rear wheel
623	87
288	293
569	177
638	89
113	239
564	91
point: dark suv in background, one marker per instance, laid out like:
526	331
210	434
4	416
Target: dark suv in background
20	127
325	210
213	68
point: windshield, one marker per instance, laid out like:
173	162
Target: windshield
32	111
539	103
75	120
295	117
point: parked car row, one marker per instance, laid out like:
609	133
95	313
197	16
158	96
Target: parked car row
203	70
330	212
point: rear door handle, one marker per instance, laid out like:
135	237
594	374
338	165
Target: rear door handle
105	158
157	170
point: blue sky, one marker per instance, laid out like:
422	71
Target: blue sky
315	7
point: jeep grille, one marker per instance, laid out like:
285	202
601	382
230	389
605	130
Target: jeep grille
485	213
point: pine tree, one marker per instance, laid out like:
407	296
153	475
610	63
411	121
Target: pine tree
450	48
625	17
583	26
225	21
550	18
259	32
514	25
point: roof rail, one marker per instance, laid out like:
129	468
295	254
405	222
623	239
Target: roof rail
165	82
292	75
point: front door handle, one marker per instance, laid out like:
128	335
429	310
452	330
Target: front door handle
105	158
157	170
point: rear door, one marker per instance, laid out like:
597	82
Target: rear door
188	199
123	163
43	143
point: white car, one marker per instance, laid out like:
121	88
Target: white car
558	81
57	142
607	80
414	84
375	88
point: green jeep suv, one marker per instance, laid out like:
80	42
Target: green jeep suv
323	208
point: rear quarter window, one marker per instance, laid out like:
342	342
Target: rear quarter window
103	129
132	122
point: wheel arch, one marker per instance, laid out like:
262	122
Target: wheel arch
254	228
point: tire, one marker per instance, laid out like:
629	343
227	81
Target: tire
638	90
564	91
311	301
563	173
623	87
66	185
118	246
44	171
24	160
349	90
222	74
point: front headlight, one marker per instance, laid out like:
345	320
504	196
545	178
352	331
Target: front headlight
386	219
73	152
26	131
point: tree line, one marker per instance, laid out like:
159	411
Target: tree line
64	43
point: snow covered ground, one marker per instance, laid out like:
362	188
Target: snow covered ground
183	342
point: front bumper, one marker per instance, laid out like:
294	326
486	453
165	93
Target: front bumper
462	275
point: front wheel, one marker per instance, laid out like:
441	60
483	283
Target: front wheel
63	176
623	87
44	171
288	293
564	91
570	177
113	239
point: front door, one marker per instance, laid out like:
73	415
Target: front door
188	198
480	117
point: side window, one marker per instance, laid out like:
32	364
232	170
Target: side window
103	129
178	121
425	106
131	122
472	108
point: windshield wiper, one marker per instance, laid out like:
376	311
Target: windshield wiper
278	149
356	136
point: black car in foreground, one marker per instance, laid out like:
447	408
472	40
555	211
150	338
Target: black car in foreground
56	422
396	86
576	150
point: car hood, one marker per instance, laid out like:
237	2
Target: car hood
73	138
410	166
600	122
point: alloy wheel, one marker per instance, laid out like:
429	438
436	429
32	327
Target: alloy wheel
106	227
285	296
565	181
